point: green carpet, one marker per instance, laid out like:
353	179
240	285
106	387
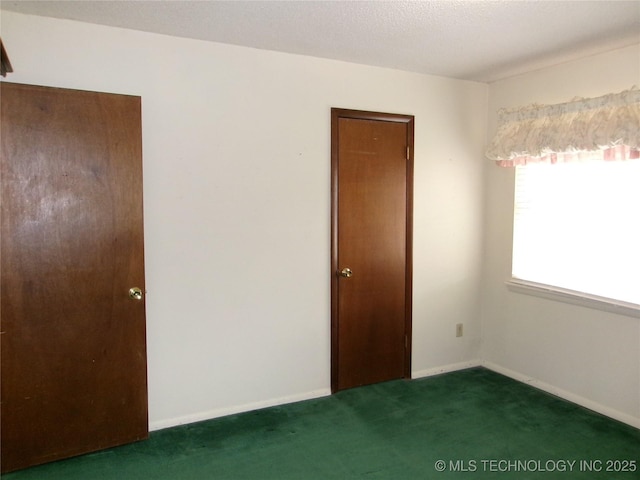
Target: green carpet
478	423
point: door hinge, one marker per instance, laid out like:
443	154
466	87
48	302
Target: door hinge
407	152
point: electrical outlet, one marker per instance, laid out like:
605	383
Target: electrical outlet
458	330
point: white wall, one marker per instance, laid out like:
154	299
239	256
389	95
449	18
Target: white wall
588	356
237	205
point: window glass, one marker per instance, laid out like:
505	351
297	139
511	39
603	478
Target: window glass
577	227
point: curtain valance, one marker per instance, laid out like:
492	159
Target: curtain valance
554	133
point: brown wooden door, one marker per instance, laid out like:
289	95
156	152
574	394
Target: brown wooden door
73	341
372	224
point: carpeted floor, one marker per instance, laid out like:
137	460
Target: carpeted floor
467	424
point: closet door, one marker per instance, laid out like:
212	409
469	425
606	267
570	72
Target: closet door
372	184
73	347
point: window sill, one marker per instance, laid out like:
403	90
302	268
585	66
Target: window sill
573	297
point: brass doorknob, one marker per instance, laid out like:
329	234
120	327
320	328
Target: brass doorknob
346	273
135	293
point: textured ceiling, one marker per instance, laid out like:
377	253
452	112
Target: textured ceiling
475	40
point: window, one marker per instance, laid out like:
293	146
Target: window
577	227
577	205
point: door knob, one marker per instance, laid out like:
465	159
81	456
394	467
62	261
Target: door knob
135	293
346	273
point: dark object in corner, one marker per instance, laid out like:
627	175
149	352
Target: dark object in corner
5	64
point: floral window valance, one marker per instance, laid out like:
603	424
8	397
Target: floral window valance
608	126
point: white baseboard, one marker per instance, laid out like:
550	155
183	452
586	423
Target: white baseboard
452	367
223	412
247	407
571	397
558	392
